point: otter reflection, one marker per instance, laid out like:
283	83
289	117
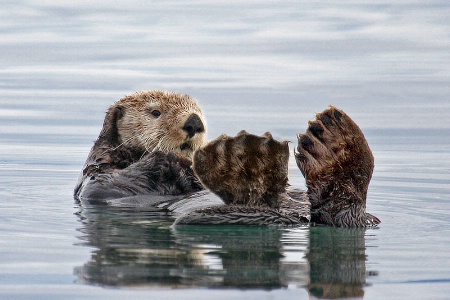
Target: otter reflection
133	248
337	262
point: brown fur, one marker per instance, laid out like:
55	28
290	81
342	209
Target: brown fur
251	171
337	163
244	170
139	151
142	152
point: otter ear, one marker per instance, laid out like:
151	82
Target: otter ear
118	112
110	131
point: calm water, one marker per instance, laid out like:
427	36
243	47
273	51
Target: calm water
259	66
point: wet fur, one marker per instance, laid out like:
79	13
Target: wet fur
244	170
333	155
134	155
250	174
337	163
137	153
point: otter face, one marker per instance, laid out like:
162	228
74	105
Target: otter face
160	120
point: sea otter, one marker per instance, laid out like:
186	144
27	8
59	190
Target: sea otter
154	143
145	147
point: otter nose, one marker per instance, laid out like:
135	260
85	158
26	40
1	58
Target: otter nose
193	125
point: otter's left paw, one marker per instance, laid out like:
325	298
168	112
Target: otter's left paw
334	145
245	170
337	163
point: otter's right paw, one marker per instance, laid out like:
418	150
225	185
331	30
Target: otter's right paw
244	170
167	173
337	163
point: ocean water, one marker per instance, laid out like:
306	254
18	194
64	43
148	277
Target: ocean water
260	66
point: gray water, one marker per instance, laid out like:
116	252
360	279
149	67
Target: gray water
260	66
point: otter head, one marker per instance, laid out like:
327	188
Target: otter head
161	121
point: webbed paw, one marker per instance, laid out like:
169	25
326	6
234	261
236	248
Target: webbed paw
337	163
244	170
167	173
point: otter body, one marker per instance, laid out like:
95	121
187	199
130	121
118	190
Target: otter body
145	147
153	144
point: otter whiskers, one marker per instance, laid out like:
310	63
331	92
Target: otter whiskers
118	146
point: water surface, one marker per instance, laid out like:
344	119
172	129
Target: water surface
260	66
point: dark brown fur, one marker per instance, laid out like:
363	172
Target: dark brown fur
244	170
250	174
337	163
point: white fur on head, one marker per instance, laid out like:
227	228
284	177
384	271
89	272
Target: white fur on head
140	127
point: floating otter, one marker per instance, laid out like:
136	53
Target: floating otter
145	147
149	140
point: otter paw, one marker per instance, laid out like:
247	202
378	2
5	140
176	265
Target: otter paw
168	173
335	159
244	170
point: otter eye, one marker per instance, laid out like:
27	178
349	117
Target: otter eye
156	113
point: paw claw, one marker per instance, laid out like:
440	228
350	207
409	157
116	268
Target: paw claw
268	135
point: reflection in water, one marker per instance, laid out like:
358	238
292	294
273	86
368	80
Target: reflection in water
137	248
337	262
